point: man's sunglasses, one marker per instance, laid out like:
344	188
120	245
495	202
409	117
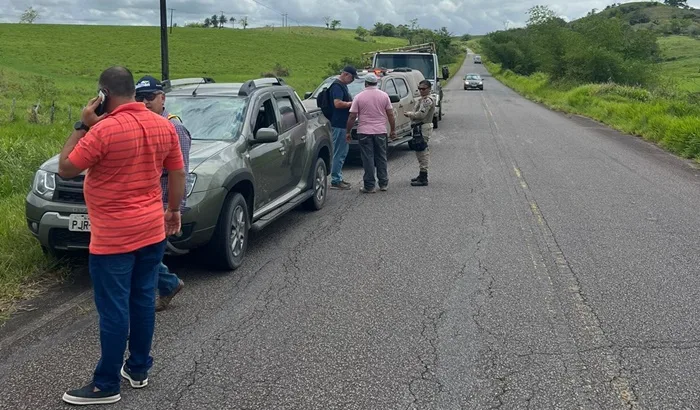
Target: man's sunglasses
147	97
420	88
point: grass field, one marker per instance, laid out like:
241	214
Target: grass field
61	63
681	62
667	113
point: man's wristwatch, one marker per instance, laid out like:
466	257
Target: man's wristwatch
81	126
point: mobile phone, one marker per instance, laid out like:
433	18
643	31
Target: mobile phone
101	108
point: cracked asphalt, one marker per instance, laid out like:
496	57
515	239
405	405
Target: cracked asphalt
552	263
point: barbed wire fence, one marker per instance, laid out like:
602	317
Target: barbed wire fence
48	113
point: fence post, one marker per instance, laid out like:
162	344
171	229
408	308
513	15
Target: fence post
53	110
12	110
34	113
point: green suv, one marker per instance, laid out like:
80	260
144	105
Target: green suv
256	154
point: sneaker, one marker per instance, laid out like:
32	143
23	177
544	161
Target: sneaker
341	185
137	380
88	395
162	302
383	187
368	191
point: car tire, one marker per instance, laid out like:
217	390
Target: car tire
319	186
465	88
435	122
234	223
440	113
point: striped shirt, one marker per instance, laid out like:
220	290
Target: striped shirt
185	143
125	154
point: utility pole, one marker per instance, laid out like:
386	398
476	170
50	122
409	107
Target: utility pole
171	20
284	19
165	72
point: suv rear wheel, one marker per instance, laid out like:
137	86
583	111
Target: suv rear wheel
320	186
227	247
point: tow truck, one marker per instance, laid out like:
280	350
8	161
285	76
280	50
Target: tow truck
421	57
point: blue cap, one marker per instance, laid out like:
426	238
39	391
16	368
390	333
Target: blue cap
148	84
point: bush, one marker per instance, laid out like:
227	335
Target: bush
277	71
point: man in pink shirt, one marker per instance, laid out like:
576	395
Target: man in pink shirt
372	107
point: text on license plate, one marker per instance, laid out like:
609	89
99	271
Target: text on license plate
79	223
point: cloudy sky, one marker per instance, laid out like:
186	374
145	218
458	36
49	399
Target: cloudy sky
459	16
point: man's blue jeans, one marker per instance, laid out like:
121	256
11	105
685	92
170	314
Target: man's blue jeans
340	152
167	281
124	286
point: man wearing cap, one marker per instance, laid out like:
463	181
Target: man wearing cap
342	100
372	108
150	92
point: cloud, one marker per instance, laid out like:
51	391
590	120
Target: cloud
459	16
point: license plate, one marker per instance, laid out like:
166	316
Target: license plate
79	223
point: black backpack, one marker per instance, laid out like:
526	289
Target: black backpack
324	101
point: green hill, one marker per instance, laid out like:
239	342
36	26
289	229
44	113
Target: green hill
656	16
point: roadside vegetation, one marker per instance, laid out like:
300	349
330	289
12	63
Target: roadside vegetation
42	90
604	68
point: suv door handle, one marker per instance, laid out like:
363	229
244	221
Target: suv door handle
281	150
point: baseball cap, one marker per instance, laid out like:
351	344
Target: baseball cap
371	78
148	84
350	70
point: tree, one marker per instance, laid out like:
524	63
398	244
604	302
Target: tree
207	22
214	21
335	24
244	22
222	20
361	33
327	20
29	16
232	20
466	37
677	3
540	15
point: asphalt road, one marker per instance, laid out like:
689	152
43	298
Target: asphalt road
551	263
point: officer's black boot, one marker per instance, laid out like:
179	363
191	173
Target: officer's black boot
416	178
422	179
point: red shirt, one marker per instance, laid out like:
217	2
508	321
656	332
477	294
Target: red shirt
125	154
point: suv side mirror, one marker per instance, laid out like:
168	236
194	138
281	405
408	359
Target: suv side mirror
265	135
445	73
307	95
394	98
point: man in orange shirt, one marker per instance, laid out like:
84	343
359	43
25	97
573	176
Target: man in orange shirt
124	150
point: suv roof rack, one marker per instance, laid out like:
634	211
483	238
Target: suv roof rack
249	86
179	82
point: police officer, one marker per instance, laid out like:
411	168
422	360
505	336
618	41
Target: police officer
423	113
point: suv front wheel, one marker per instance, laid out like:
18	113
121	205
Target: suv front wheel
320	186
230	240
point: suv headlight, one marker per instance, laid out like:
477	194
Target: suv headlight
189	186
44	184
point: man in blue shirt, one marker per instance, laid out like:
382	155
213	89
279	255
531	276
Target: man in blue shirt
150	91
342	100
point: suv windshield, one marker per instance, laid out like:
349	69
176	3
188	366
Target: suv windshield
421	62
472	77
355	87
209	118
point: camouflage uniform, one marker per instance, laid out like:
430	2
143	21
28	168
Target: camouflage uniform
424	112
